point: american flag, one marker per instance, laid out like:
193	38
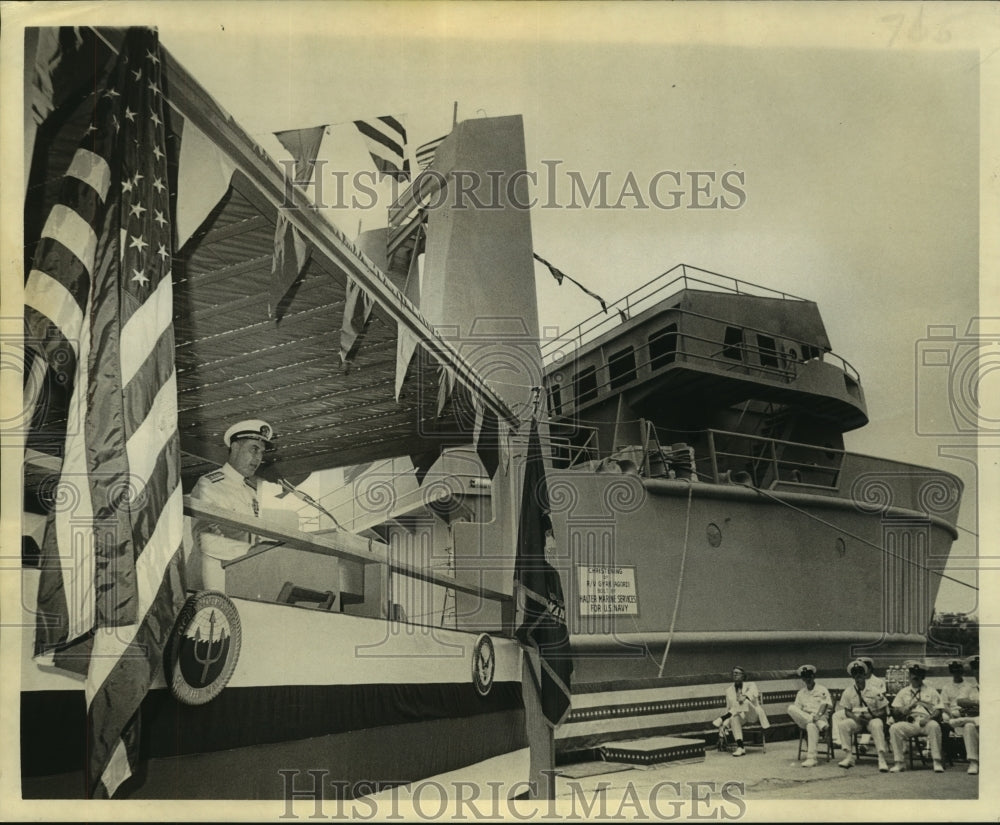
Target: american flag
538	587
385	138
100	290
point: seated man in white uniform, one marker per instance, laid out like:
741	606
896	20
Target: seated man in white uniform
810	711
233	487
743	706
968	720
916	709
863	707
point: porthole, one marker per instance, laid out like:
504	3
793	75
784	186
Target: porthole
713	534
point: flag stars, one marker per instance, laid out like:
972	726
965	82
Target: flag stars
112	93
139	277
114	120
136	178
137	74
130	114
158	152
162	252
136	210
127	186
138	243
153	88
158	184
158	217
152	58
155	118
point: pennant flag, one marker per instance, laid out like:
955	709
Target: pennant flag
559	275
203	175
358	306
487	440
446	385
291	254
303	145
406	341
385	138
100	292
539	590
425	152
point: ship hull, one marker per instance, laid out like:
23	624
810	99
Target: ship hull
672	583
674	578
368	703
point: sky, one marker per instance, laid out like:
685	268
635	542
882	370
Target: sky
852	131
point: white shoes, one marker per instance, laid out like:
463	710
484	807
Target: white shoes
739	752
882	766
938	767
897	768
809	763
973	766
847	763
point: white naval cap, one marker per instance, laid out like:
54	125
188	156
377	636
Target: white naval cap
252	428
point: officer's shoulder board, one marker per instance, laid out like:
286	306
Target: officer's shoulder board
215	475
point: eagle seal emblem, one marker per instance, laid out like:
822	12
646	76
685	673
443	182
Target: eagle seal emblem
204	648
483	664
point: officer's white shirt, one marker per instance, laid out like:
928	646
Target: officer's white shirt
925	695
810	701
952	692
226	489
872	698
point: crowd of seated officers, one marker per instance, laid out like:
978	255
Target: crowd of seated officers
864	707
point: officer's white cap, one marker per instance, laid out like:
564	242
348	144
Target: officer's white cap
252	428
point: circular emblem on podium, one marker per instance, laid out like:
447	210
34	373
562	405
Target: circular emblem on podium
204	648
483	664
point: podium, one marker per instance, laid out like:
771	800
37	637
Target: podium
291	575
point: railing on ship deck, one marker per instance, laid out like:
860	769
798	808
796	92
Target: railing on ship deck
770	362
760	458
652	293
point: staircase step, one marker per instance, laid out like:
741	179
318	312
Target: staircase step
654	749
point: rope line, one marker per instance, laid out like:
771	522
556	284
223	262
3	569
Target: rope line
680	579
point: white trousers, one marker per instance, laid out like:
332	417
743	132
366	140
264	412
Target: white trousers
901	731
875	727
804	720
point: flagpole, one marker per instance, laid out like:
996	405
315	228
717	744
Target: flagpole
541	737
540	734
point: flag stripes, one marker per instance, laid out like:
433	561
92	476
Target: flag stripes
385	138
111	580
426	152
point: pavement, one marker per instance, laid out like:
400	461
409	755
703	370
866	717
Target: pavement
770	786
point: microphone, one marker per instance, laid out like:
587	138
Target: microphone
288	487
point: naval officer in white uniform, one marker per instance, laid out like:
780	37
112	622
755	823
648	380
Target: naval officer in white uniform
233	487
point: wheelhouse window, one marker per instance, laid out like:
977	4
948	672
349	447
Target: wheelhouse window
585	385
734	344
662	347
767	351
809	352
555	399
621	366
